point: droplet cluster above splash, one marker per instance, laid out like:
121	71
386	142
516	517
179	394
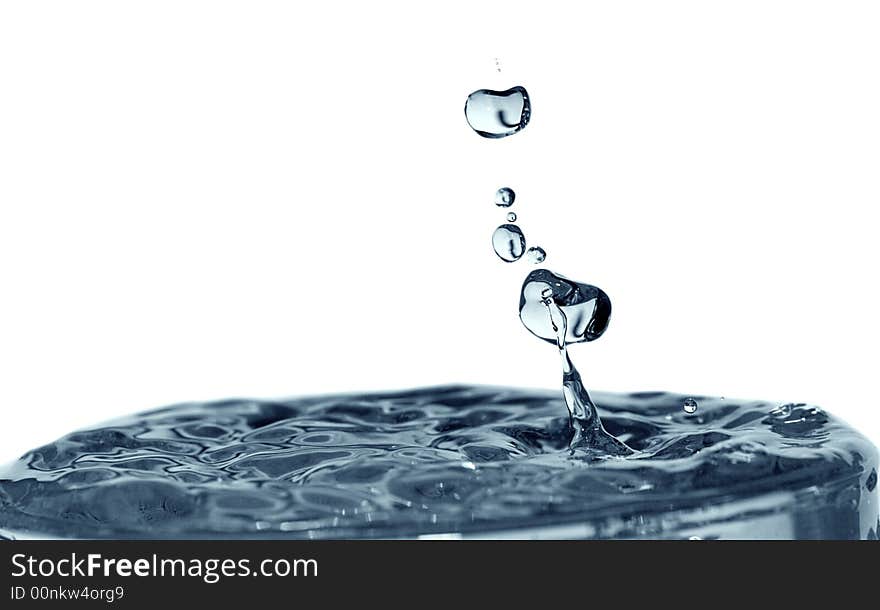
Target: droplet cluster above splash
508	240
498	114
551	307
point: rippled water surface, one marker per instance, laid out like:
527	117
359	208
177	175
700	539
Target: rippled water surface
449	461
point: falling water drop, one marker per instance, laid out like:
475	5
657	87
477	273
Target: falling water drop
498	114
509	243
504	197
690	406
511	217
536	255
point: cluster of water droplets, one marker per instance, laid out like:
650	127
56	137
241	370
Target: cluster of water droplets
508	239
498	114
552	307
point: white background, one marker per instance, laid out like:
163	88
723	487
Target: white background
210	199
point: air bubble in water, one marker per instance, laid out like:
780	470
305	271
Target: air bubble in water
498	114
511	217
690	406
504	197
509	243
536	255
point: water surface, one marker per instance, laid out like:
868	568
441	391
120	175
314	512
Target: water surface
467	461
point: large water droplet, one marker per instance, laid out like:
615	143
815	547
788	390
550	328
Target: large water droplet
587	309
589	436
504	197
690	406
536	255
509	243
498	114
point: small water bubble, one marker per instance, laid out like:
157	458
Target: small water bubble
509	243
511	217
498	114
504	197
694	538
690	406
536	255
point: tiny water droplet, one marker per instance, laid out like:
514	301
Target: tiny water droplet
504	197
509	243
498	114
511	217
536	255
690	406
694	538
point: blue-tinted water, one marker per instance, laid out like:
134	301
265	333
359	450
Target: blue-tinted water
449	461
462	461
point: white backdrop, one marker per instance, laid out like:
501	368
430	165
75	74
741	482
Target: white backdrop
210	199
